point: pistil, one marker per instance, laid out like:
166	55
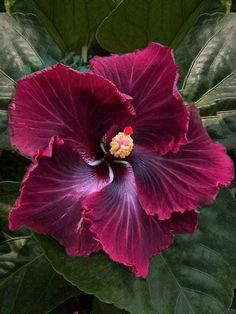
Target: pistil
122	144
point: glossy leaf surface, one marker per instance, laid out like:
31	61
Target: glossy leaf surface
72	23
189	48
135	23
215	62
25	47
211	73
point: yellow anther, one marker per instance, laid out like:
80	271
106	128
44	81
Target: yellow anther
121	145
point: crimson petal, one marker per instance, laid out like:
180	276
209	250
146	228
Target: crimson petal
50	198
79	107
127	234
150	77
185	180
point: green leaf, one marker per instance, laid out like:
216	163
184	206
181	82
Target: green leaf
104	308
25	47
222	127
7	86
215	61
197	38
28	284
9	5
12	6
117	1
135	23
16	250
26	290
232	311
72	23
9	191
221	6
211	77
197	273
12	255
227	5
4	134
34	288
220	97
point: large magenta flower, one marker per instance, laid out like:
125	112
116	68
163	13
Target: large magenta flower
119	162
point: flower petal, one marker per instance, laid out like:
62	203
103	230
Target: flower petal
127	234
79	107
181	223
150	77
186	180
51	194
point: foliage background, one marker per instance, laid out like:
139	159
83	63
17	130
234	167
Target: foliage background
198	274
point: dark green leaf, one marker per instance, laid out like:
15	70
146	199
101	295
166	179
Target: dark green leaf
34	288
72	23
221	6
7	86
212	74
2	8
233	306
197	274
15	249
9	5
97	274
9	191
104	308
13	6
25	47
189	48
4	134
232	311
227	5
117	1
222	127
15	253
28	284
233	8
214	62
135	23
221	97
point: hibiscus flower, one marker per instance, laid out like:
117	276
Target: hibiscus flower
119	162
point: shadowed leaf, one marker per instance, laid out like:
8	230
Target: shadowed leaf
222	127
